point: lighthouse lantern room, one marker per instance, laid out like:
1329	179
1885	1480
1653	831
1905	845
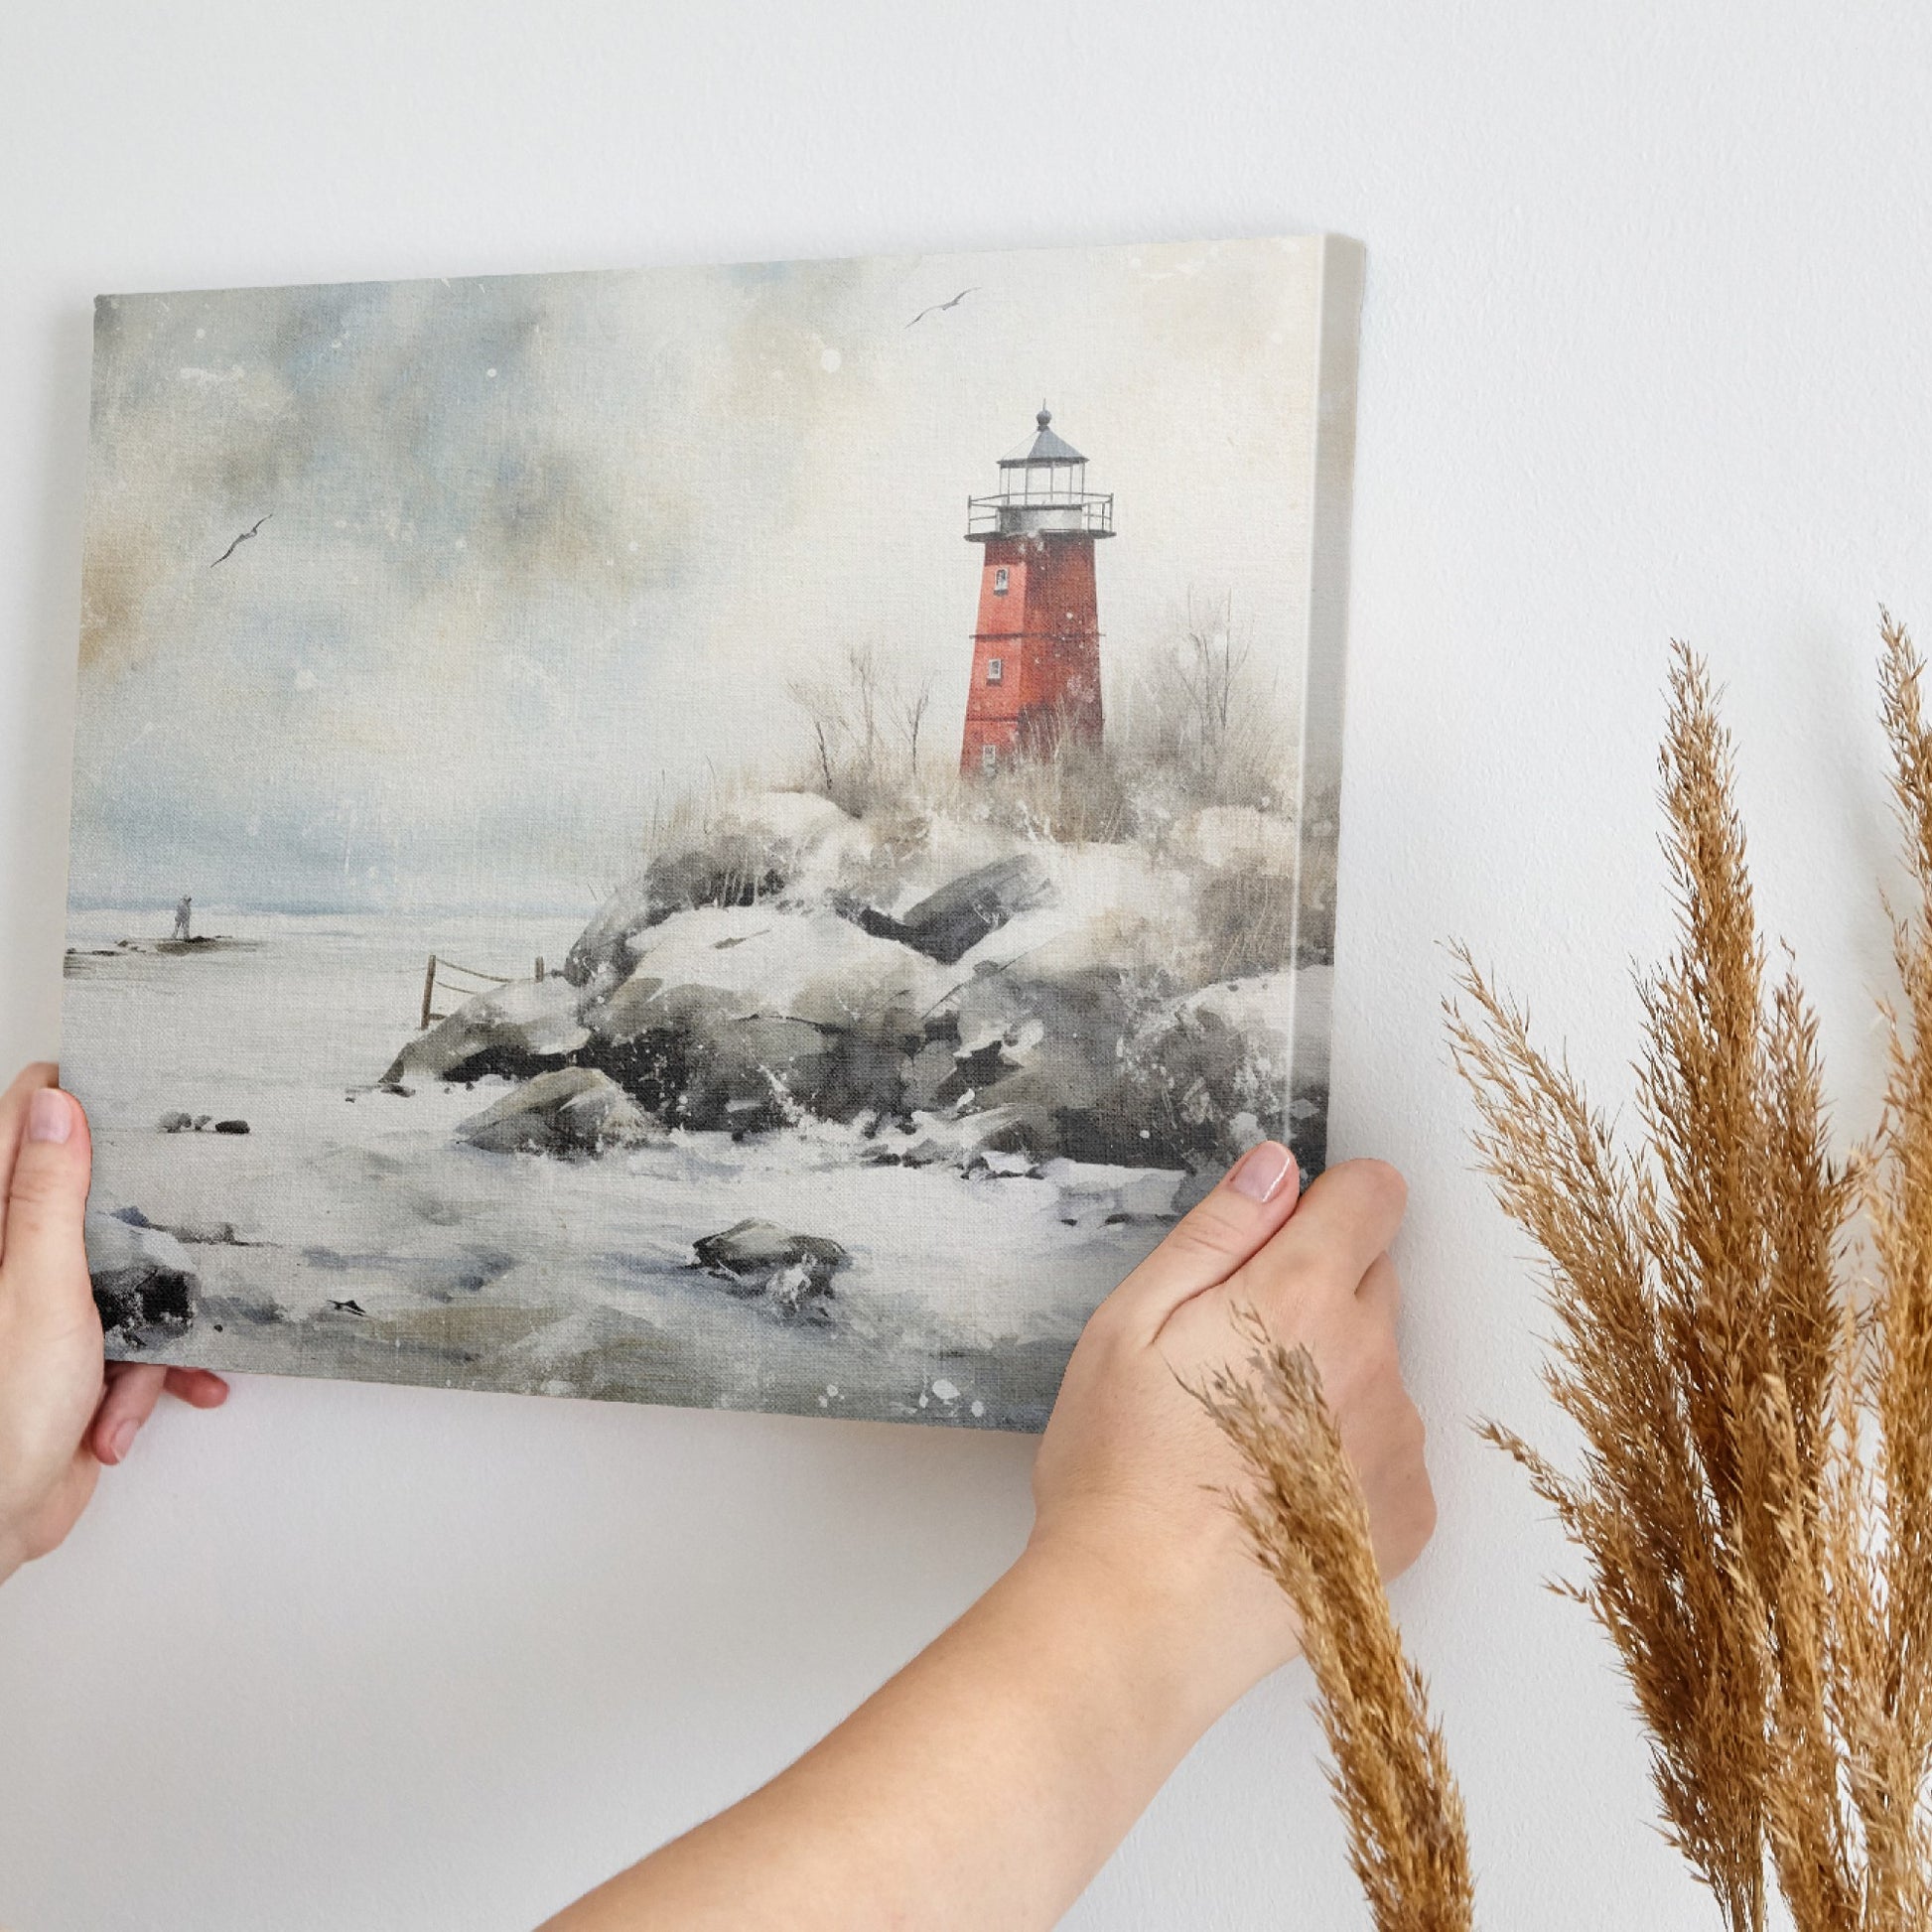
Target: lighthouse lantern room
1037	645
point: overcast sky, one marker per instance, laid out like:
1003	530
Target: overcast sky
542	548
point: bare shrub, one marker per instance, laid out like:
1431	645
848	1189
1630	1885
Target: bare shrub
865	722
1205	721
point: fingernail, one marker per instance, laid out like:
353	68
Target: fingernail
1262	1171
122	1440
49	1115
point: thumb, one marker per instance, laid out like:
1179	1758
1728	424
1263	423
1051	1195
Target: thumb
44	1267
1207	1244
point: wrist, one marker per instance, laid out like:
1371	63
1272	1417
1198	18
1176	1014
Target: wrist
1163	1638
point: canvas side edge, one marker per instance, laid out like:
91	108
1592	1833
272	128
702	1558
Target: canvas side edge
89	482
1332	461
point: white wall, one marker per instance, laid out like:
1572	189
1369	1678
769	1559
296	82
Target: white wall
1644	354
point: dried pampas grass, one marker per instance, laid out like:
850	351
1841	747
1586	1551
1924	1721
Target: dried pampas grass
1308	1525
1755	1496
1753	1391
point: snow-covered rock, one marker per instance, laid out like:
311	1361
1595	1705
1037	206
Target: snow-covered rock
756	846
798	819
735	869
573	1110
142	1277
1259	1007
1224	836
944	1140
513	1030
949	922
742	1019
1108	906
766	962
937	848
204	1231
793	963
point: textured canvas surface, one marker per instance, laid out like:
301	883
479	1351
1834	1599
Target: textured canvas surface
739	836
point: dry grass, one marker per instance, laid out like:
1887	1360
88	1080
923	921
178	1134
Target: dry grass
1247	922
1306	1519
1754	1497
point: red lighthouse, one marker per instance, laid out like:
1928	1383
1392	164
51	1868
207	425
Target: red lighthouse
1036	646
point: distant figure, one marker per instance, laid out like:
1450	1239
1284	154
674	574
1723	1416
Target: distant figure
184	912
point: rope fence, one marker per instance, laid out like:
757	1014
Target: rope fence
446	973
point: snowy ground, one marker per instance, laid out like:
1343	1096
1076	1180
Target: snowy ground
520	1272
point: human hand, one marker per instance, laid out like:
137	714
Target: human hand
1044	1719
63	1411
1130	1480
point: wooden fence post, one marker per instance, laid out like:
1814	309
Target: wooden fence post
539	971
429	989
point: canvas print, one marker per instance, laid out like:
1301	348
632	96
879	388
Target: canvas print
741	836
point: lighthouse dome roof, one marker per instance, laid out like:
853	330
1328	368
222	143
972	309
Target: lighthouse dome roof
1044	445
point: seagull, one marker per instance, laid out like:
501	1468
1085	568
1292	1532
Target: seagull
940	307
241	539
349	1307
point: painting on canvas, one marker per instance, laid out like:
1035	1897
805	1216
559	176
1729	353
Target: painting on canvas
739	836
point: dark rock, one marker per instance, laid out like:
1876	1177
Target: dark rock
143	1280
869	919
948	924
1047	1052
859	1077
754	1258
927	1074
232	1127
573	1110
1200	1080
746	1075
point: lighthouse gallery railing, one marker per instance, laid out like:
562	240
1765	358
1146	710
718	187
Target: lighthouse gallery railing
1082	512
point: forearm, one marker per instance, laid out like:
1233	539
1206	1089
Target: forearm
990	1779
984	1785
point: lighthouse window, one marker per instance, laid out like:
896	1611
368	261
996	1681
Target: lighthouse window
989	758
995	669
1000	581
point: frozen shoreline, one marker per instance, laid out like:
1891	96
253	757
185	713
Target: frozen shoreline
522	1272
